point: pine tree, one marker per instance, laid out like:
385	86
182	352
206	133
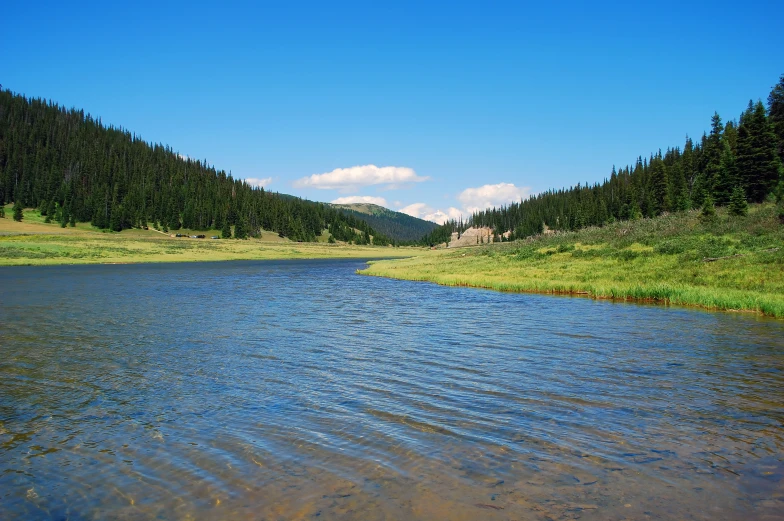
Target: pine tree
708	209
727	177
679	194
18	216
776	113
738	205
116	220
2	210
658	200
712	152
757	160
240	229
226	230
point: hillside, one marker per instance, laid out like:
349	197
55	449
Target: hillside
738	159
396	225
34	242
722	262
74	169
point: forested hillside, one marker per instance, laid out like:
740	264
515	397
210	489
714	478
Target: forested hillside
75	169
400	226
738	161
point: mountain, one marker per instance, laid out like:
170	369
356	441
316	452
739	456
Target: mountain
75	169
398	226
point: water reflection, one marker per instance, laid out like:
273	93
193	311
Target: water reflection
291	390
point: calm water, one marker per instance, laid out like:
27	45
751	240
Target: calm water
298	390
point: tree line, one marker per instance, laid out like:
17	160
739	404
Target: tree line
73	168
735	163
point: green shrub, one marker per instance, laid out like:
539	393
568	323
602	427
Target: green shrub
671	247
627	255
716	247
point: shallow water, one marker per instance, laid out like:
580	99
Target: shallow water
295	390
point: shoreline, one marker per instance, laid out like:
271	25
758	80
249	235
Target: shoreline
726	263
38	244
578	294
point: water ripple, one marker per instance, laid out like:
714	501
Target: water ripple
297	389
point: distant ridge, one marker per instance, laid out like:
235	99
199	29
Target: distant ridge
396	225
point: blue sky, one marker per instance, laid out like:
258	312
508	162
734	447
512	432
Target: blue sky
427	107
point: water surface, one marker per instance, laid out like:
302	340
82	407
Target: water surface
299	390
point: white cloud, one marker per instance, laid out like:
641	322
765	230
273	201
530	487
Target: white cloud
353	178
488	196
259	183
423	211
360	199
472	199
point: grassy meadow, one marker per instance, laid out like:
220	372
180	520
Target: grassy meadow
665	260
33	242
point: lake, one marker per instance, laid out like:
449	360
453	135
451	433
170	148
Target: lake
300	390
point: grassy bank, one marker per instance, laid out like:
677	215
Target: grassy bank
33	242
663	260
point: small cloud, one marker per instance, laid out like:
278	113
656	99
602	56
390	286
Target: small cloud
258	183
360	199
353	178
428	213
492	196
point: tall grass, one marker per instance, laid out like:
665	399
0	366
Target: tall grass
659	260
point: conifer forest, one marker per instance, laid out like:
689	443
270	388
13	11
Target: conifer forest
73	168
740	158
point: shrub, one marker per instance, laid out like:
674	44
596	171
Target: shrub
670	247
627	255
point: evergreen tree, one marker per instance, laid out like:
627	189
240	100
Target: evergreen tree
658	198
678	192
727	177
2	211
708	209
18	216
738	205
240	229
713	148
776	113
226	230
757	160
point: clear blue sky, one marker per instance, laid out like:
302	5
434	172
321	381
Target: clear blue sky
518	97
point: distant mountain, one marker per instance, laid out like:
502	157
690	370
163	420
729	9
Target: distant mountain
395	225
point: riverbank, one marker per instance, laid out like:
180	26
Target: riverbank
727	263
33	242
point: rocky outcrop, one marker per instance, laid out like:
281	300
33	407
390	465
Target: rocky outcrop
473	236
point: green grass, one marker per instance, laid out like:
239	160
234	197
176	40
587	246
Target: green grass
658	260
33	242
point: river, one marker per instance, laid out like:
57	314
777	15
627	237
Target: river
299	390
